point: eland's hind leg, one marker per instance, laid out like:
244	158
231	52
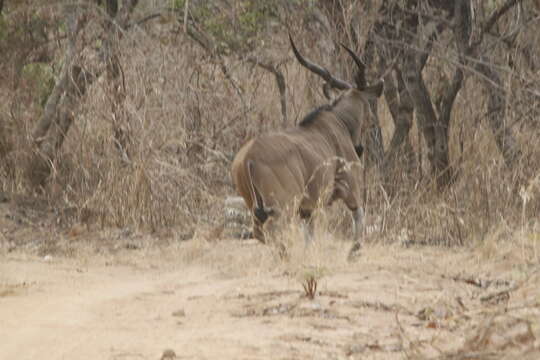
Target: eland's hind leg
307	226
358	219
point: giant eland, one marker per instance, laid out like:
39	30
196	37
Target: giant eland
314	162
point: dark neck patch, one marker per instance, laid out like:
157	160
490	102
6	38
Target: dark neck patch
314	114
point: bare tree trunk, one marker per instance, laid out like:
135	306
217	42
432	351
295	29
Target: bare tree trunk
374	141
5	145
410	42
400	149
59	113
434	130
114	26
382	40
280	82
58	110
504	137
77	86
405	120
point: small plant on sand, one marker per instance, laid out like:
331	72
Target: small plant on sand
310	280
310	287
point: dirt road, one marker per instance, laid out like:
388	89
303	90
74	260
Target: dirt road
237	300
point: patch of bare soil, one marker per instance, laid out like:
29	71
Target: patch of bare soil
234	299
77	292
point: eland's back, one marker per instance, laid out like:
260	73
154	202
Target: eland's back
296	165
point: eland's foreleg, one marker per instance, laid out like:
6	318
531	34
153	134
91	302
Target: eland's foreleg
358	217
307	228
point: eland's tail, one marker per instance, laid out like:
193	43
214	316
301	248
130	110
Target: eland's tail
260	211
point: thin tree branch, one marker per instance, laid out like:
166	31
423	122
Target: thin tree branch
498	13
280	82
207	44
143	20
492	20
123	16
75	24
112	8
186	10
450	96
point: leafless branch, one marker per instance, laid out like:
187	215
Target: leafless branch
492	20
208	45
280	82
144	19
76	22
186	10
498	13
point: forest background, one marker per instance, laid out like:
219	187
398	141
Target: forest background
129	113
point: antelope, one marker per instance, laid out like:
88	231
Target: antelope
312	162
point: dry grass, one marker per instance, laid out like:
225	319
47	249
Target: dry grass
184	122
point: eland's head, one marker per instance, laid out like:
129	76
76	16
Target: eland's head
352	102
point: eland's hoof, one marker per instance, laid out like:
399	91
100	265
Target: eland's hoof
354	253
282	251
246	235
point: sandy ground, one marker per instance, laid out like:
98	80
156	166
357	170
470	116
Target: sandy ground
235	299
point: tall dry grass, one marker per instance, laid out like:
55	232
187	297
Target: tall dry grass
184	123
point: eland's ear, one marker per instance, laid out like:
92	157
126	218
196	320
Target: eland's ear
374	91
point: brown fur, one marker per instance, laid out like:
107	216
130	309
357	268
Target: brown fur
302	164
